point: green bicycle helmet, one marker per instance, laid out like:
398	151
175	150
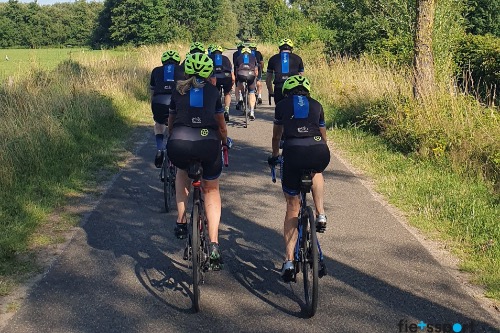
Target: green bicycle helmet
171	55
198	64
240	45
196	47
246	50
217	48
210	47
285	42
296	81
252	45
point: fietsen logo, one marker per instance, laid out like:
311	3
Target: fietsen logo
421	326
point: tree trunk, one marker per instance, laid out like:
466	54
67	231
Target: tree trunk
423	61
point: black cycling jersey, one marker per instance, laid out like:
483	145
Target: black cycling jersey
222	65
245	61
163	78
197	107
236	54
283	65
258	56
300	116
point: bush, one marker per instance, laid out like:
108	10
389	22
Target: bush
478	61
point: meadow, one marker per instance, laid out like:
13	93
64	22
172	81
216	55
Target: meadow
438	162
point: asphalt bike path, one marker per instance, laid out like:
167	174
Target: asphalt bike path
123	269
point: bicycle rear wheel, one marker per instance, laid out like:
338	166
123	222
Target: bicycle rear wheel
196	256
245	101
310	261
168	184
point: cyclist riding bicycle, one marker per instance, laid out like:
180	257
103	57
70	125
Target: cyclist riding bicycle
260	61
197	129
282	66
246	71
239	45
301	119
162	83
224	74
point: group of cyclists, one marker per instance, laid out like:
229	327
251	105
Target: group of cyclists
187	100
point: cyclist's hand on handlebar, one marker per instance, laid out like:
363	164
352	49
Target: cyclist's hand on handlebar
273	160
229	143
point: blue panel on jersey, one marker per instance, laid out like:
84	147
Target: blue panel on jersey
168	72
246	59
300	107
285	61
253	53
196	97
218	59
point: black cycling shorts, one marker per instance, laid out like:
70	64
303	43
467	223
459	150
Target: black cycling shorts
311	153
226	83
186	144
160	105
248	77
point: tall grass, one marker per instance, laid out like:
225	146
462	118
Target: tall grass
439	161
57	128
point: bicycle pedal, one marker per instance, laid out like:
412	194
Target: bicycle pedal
322	270
320	228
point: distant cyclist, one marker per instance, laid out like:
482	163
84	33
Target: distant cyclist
301	120
162	83
236	54
260	61
246	71
197	129
224	74
280	67
195	47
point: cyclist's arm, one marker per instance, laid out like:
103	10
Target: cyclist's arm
269	83
233	78
277	132
221	123
322	124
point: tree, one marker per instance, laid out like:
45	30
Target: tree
423	63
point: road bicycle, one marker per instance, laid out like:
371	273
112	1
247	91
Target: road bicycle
308	256
197	244
167	176
244	107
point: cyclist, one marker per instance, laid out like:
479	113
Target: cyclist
301	119
246	71
224	74
260	61
236	54
162	83
197	128
282	66
195	47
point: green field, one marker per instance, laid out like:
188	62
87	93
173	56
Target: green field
24	60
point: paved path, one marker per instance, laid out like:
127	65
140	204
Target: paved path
123	270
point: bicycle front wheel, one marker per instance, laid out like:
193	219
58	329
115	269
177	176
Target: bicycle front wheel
196	256
310	261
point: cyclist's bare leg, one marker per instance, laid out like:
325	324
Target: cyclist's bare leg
182	186
160	128
317	192
227	100
251	101
211	195
290	224
259	88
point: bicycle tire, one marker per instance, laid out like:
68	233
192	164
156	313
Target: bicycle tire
168	186
196	256
245	101
310	262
